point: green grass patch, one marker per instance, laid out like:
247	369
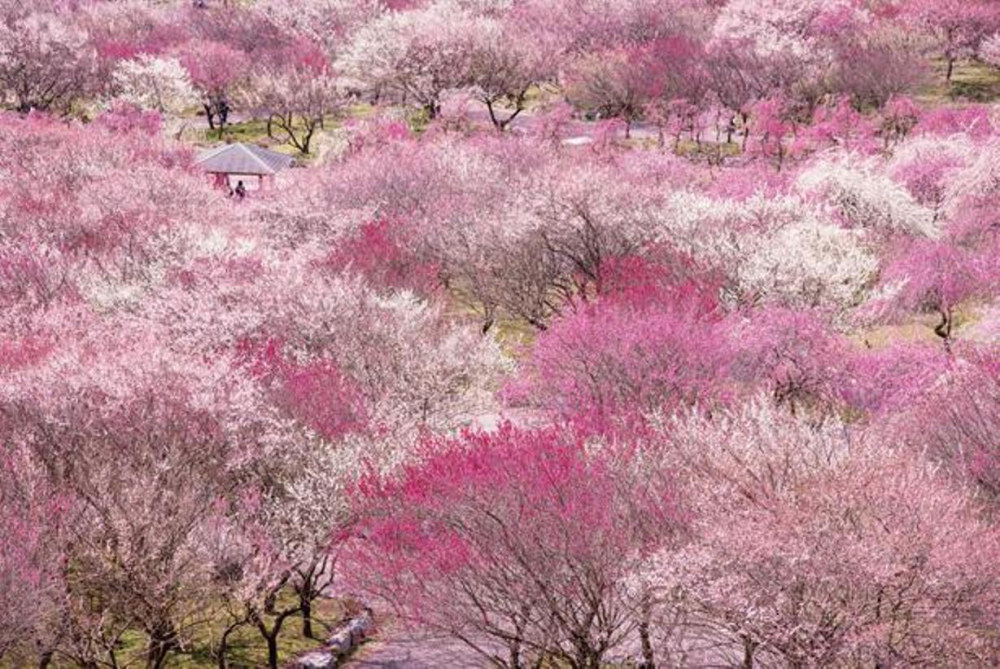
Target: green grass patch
362	110
692	149
513	335
247	648
418	120
254	131
542	96
971	81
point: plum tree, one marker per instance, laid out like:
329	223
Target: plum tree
46	60
416	54
297	96
959	27
157	83
812	546
516	543
214	68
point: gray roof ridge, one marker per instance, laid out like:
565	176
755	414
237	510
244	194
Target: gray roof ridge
252	154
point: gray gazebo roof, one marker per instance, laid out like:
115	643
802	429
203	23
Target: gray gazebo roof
243	159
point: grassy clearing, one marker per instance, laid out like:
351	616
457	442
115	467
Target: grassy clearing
972	81
920	328
247	647
254	131
705	149
514	336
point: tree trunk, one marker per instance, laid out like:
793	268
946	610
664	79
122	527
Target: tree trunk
493	116
307	625
223	647
272	652
162	639
307	137
271	635
951	69
648	657
515	654
586	658
748	649
221	652
156	656
943	329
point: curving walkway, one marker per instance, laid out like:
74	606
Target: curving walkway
405	649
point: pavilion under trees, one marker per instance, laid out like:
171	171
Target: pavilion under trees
255	166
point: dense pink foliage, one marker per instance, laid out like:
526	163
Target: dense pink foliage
381	251
534	530
793	355
811	546
934	276
731	267
316	393
616	357
960	26
34	520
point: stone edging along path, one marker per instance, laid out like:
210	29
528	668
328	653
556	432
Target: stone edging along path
339	645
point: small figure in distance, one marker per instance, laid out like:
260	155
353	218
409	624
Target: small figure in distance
223	113
200	4
241	190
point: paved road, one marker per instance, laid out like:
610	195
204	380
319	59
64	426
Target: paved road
399	649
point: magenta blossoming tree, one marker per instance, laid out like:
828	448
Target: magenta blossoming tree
933	277
612	358
958	27
214	68
517	544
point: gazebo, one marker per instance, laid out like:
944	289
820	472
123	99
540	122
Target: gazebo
233	163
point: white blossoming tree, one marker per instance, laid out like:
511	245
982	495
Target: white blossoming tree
155	82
